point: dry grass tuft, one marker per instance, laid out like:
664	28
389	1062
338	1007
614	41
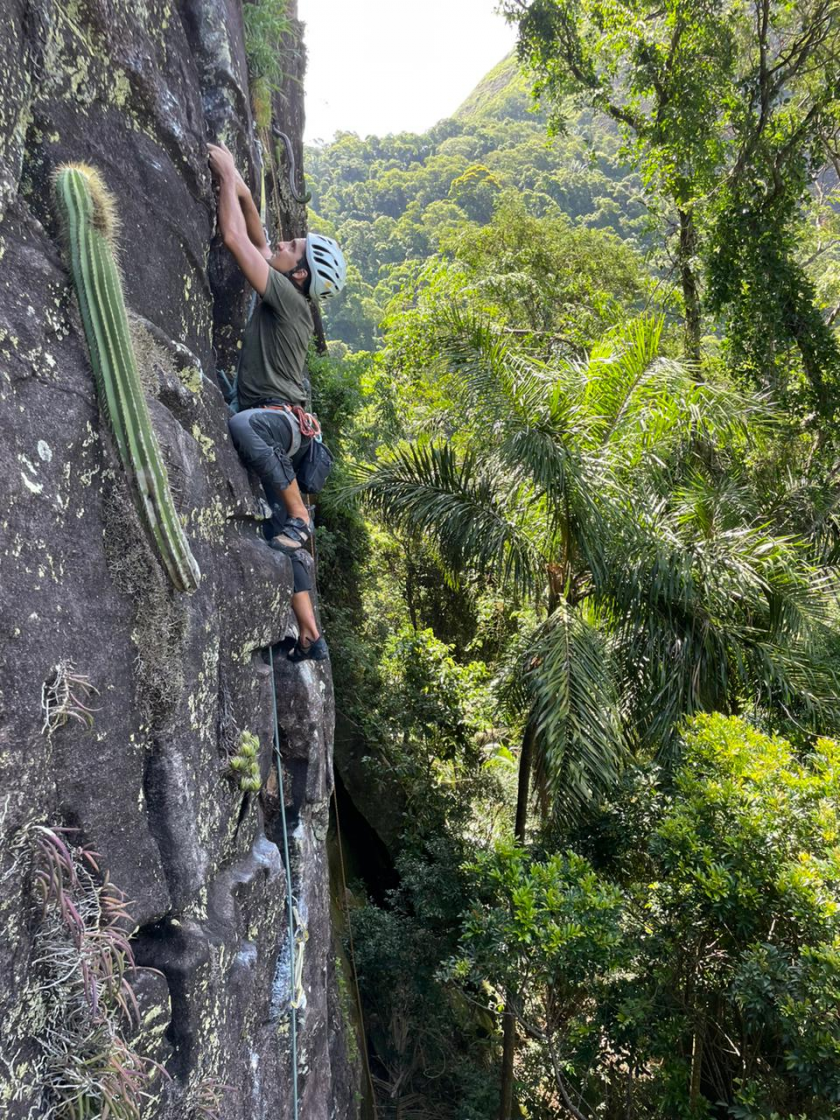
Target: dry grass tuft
63	697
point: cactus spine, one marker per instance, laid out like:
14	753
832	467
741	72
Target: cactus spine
87	215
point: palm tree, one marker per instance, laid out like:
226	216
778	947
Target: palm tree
612	494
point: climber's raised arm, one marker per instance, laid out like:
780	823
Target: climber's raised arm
253	223
232	220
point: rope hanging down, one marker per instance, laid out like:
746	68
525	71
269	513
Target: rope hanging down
294	1000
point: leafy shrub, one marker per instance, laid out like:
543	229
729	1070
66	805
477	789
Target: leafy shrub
706	967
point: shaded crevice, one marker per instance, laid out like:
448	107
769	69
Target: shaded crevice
163	816
366	856
242	814
273	807
175	950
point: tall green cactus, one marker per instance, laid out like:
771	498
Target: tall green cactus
87	214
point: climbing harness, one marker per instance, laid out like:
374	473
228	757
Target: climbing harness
307	422
296	195
313	471
294	1001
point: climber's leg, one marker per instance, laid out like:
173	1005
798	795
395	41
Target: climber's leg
305	615
263	439
310	645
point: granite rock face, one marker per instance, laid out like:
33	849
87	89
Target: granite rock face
137	88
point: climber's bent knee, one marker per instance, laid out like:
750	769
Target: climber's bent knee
263	440
300	570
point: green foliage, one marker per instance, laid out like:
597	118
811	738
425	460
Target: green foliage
724	115
86	212
587	541
266	29
544	276
607	493
435	699
475	192
559	923
770	301
433	1052
393	201
708	966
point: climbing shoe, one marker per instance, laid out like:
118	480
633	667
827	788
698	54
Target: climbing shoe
315	651
295	534
274	524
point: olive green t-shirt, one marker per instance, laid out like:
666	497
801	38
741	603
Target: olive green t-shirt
274	345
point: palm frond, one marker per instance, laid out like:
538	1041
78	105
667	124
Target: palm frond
704	619
427	488
579	740
500	382
640	403
508	397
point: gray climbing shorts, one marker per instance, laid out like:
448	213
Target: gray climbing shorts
266	443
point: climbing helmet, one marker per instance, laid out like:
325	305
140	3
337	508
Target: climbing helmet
327	265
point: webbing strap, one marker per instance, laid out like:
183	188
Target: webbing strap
294	427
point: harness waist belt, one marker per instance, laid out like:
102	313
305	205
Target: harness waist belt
305	424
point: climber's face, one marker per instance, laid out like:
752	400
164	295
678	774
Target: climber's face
288	253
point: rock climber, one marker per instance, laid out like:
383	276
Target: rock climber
270	430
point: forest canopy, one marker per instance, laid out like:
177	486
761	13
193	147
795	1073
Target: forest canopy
579	567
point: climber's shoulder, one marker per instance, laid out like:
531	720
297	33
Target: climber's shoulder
283	297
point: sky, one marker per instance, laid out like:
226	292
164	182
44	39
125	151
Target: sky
379	66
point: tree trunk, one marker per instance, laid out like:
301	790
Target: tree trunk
691	296
524	785
509	1035
697	1063
409	591
508	1051
318	327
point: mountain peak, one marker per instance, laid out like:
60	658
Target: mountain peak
503	93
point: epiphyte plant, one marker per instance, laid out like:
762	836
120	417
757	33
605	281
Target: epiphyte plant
64	696
207	1099
88	219
245	763
83	962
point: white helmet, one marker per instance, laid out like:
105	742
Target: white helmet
327	266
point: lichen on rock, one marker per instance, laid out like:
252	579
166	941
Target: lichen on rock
137	90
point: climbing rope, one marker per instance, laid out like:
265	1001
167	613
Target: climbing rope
294	1000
